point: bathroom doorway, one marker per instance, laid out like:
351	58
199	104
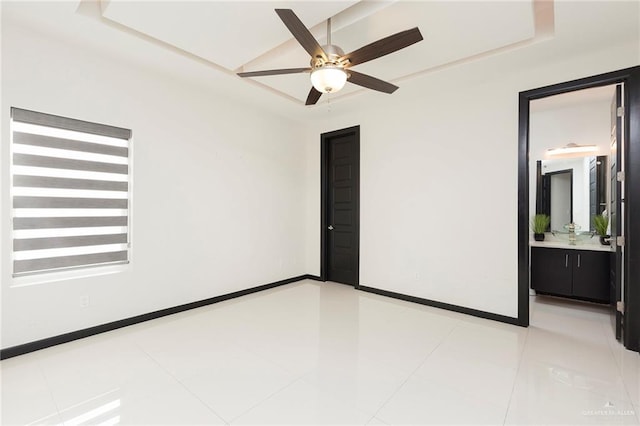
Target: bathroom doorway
570	141
618	143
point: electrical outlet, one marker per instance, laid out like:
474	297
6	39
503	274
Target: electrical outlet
84	301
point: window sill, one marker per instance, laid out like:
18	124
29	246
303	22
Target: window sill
49	277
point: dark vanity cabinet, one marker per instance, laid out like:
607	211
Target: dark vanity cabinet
579	274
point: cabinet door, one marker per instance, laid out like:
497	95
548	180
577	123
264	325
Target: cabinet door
591	275
551	270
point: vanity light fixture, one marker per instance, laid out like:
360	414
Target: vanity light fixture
572	148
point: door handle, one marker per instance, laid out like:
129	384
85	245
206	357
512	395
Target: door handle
330	227
578	261
566	260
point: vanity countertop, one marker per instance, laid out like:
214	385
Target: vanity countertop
564	245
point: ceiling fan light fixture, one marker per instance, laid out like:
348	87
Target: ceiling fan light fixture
329	66
328	78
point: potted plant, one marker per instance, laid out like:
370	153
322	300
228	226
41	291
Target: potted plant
601	223
539	225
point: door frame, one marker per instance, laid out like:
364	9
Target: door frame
617	258
558	172
631	78
324	185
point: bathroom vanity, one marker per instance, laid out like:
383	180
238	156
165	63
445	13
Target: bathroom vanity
574	271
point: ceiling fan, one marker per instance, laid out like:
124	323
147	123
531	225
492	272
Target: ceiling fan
330	68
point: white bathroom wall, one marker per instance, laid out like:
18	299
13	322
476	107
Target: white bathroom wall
439	167
218	187
587	123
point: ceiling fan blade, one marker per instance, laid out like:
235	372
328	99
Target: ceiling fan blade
369	82
384	46
313	96
273	72
301	33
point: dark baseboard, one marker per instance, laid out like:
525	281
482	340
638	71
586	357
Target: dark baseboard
103	328
441	305
313	277
81	334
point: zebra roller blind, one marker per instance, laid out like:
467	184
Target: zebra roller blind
70	193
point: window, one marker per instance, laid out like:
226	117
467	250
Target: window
70	193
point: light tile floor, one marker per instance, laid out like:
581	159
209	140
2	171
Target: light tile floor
312	353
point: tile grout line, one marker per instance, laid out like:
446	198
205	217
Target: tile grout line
515	379
182	384
50	392
602	324
411	374
529	349
257	354
229	422
620	372
296	376
46	381
265	399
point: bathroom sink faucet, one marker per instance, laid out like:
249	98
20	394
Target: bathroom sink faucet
572	233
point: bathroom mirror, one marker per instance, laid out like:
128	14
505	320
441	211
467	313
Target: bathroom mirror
572	190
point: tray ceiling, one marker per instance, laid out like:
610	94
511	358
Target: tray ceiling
249	36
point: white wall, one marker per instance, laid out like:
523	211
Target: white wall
438	176
587	123
218	190
439	168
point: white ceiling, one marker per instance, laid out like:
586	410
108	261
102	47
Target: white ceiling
229	34
205	43
249	36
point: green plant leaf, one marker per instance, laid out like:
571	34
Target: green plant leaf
601	223
540	223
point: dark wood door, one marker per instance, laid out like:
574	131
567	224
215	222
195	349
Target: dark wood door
616	211
341	218
546	196
594	202
551	271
